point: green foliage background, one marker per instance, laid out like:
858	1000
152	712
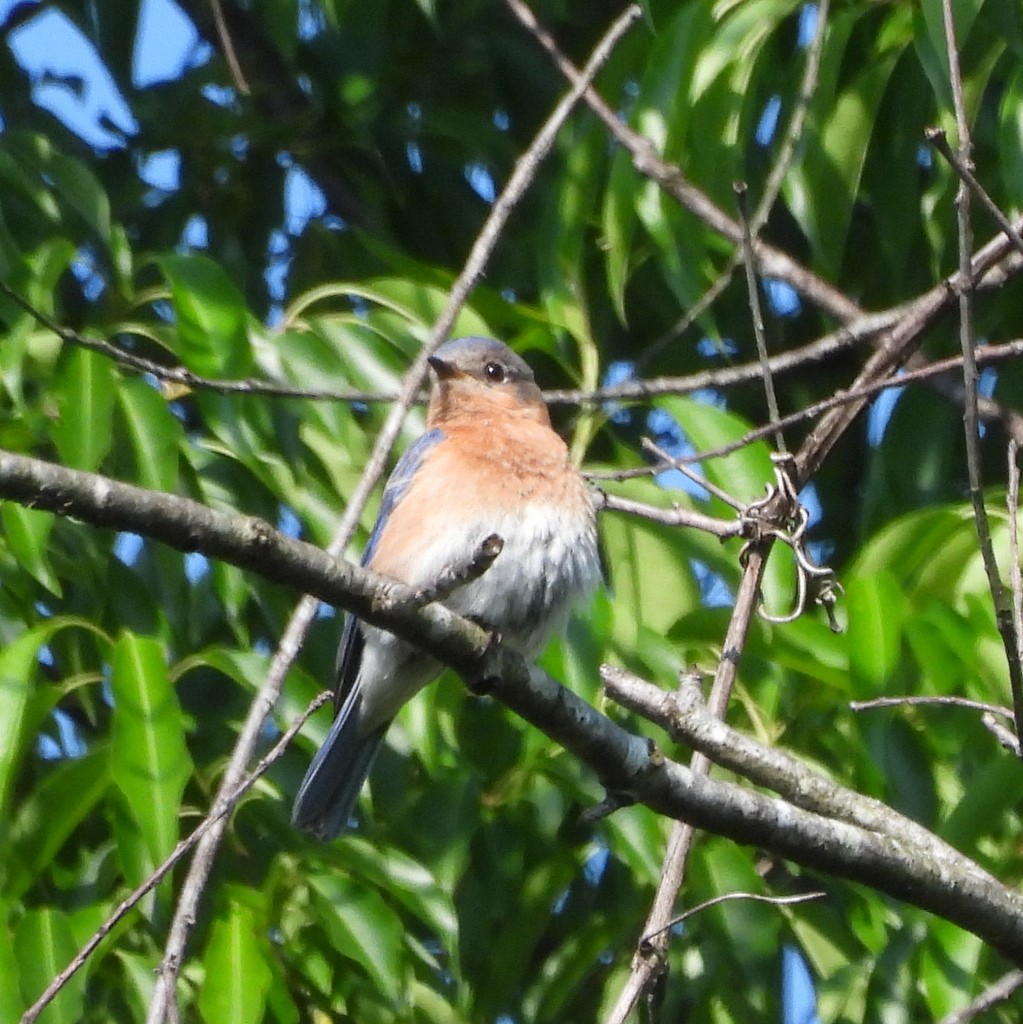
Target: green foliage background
465	897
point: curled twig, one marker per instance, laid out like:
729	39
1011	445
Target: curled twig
813	582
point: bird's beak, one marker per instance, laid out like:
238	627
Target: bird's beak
444	369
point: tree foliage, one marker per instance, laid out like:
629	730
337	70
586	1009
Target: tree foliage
323	196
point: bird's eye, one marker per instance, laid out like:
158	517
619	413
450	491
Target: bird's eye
494	372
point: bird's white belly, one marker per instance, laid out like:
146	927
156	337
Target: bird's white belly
549	562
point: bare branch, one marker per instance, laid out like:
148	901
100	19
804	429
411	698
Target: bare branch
757	315
942	701
688	719
521	177
674	516
753	897
994	994
1003	613
222	808
903	867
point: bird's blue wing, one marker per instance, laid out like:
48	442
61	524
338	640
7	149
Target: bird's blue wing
349	653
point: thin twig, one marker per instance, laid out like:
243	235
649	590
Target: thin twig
937	138
180	375
228	47
916	700
776	901
857	394
450	579
722	378
673	516
1003	613
647	961
997	992
183	846
1015	570
757	315
670	462
519	181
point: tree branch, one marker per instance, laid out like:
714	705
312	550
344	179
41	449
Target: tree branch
522	176
624	762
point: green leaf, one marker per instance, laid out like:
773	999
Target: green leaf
876	611
50	815
149	759
138	972
155	434
212	317
407	881
43	945
362	927
1010	143
82	191
824	185
237	976
989	796
85	396
11	1002
28	533
18	660
652	583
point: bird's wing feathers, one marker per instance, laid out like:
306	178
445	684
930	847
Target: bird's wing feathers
349	653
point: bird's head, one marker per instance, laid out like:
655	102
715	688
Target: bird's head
483	374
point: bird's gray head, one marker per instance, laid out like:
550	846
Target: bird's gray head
476	373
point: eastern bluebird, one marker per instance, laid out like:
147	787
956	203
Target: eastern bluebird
489	463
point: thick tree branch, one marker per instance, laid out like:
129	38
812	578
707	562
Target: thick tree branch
245	541
625	763
974	900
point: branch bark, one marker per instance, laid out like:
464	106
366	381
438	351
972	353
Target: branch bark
902	867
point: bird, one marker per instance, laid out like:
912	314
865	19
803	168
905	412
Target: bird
489	463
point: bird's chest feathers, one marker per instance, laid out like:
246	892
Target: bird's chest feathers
520	486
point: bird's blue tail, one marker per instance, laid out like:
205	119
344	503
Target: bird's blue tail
330	789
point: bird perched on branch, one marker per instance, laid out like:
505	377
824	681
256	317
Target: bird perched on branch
489	464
